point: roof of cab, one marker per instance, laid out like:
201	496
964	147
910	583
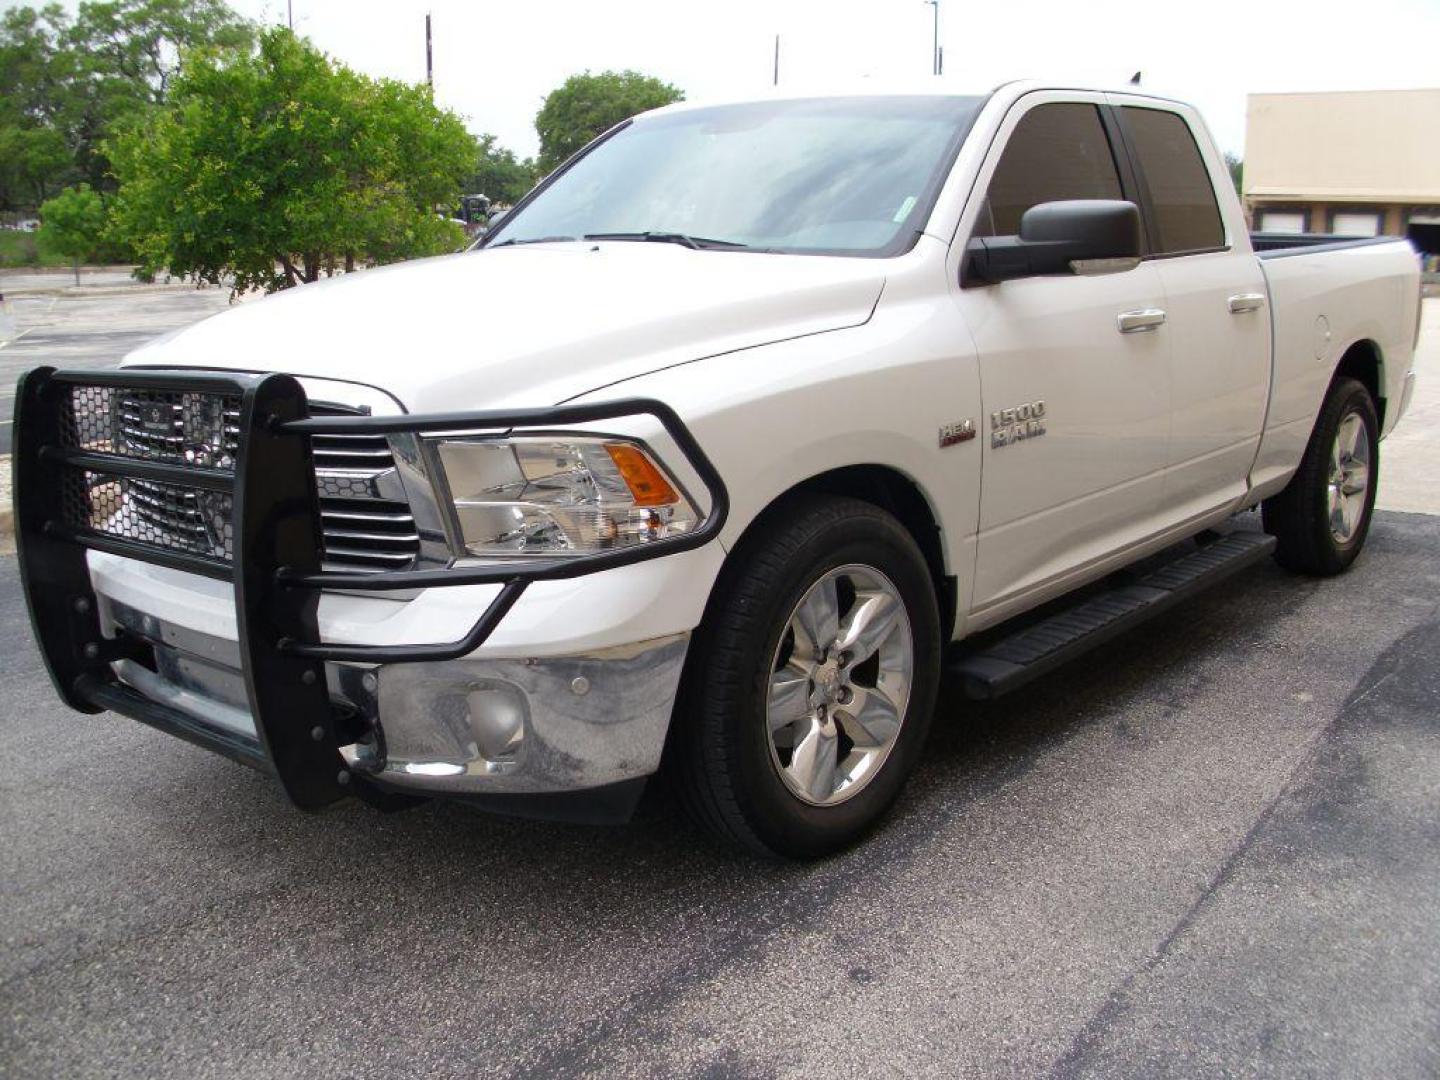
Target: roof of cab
927	87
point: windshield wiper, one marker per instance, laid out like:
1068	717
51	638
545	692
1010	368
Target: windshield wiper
698	243
535	240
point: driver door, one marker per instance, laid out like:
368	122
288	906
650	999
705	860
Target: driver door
1074	373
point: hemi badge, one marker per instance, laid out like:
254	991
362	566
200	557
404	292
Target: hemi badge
961	431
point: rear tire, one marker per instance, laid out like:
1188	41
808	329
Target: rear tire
810	685
1321	519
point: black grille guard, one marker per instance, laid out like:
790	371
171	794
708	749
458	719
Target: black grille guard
276	566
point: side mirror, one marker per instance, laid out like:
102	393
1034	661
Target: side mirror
1074	236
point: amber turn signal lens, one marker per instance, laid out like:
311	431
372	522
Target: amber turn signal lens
646	483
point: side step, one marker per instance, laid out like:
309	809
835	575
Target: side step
1012	662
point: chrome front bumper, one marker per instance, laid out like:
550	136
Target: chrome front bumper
553	725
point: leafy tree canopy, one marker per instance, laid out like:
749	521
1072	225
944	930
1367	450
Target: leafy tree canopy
500	175
587	105
72	224
278	167
1236	168
65	82
142	41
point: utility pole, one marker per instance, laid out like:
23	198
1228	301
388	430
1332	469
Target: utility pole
429	56
777	60
935	44
290	14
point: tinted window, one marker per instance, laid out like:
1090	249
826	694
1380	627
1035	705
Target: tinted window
1056	152
842	175
1187	217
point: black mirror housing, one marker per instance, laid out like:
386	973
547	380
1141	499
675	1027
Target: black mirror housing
1055	235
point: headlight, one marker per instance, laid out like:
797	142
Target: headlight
556	495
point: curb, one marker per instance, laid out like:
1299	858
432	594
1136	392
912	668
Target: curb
106	290
20	271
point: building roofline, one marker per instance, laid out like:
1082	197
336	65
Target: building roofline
1336	93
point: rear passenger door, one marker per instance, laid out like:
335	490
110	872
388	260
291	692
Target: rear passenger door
1216	318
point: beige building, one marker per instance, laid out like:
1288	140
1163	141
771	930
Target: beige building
1359	163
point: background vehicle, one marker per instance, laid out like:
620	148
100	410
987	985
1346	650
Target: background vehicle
707	492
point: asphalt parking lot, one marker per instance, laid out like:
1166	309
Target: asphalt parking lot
1213	849
90	327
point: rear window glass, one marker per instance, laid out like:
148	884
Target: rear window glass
1186	216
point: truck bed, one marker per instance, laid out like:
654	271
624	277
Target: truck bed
1280	245
1328	295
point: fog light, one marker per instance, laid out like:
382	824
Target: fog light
497	719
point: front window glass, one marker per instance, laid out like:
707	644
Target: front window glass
1056	152
825	176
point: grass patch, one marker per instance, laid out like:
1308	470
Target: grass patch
18	249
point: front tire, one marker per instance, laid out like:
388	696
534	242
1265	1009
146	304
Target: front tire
1322	517
810	687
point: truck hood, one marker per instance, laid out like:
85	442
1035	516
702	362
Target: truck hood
523	326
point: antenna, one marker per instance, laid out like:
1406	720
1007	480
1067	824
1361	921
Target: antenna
1135	79
777	60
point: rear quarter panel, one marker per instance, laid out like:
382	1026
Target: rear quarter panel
1323	302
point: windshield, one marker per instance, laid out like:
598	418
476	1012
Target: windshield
853	176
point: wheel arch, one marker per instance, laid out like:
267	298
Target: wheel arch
1362	360
897	494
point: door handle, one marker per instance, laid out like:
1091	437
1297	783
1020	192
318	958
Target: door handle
1243	302
1142	321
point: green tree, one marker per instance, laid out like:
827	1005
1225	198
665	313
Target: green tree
142	42
500	174
587	105
35	158
72	225
276	168
1236	168
65	84
34	161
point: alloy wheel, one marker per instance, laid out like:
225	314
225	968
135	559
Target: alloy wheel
839	685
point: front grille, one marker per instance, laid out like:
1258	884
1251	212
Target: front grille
363	529
365	526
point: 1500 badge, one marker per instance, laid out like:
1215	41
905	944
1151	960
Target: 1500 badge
1025	421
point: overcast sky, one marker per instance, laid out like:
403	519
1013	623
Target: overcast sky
494	63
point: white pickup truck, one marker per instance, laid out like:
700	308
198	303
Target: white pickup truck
729	440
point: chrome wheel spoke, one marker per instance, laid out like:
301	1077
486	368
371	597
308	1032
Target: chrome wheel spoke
817	620
1349	437
868	624
1357	479
789	698
1337	516
812	765
871	719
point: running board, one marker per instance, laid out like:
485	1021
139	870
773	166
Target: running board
1012	662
